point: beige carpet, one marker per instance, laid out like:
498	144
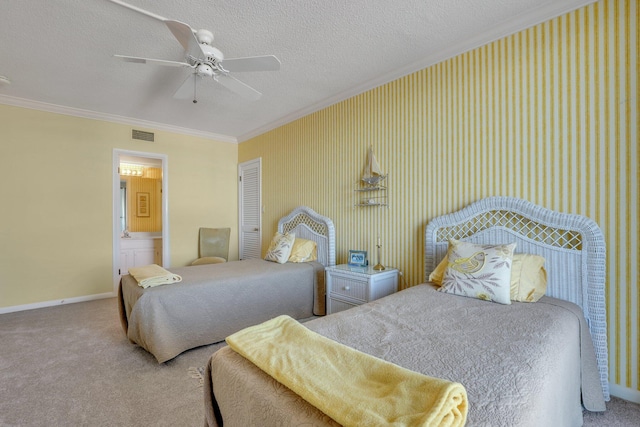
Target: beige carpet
72	365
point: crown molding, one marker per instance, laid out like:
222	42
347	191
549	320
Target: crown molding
521	22
87	114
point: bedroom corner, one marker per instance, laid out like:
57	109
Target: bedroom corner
548	114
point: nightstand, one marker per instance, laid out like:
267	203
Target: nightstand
349	286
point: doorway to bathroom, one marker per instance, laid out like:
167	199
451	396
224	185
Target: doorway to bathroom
140	211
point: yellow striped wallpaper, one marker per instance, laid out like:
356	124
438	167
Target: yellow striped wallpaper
549	114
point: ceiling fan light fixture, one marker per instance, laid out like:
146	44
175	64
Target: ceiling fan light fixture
205	70
212	54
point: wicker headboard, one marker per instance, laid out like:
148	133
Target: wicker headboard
308	224
572	245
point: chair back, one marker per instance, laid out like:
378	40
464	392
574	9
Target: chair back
214	242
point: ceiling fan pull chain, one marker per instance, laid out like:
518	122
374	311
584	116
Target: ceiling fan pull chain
195	79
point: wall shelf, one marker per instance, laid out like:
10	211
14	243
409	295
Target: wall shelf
371	195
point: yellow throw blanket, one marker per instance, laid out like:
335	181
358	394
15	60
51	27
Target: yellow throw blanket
353	388
153	275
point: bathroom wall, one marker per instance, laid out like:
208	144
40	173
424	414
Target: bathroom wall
150	184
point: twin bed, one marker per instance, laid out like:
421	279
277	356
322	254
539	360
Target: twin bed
521	363
215	300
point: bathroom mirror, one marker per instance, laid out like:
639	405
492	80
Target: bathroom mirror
140	196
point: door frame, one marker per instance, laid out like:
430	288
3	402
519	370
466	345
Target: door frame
166	256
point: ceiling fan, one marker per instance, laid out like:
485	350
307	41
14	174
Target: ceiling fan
205	60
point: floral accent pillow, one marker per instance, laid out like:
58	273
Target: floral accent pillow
479	271
528	277
280	247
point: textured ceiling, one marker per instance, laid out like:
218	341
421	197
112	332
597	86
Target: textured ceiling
58	54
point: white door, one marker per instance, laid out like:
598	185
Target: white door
250	209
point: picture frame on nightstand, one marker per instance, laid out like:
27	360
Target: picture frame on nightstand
357	258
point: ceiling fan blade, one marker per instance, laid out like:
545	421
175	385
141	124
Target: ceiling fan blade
185	35
138	60
139	10
187	90
252	63
238	87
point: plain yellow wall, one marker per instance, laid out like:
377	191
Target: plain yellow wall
57	215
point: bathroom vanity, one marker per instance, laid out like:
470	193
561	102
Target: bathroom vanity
139	249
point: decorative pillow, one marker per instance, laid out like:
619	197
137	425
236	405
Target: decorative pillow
303	250
479	271
280	247
528	278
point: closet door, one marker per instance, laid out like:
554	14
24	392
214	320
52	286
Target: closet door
250	199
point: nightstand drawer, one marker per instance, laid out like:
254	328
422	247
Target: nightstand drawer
348	287
336	305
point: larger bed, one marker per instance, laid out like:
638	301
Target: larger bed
522	364
215	300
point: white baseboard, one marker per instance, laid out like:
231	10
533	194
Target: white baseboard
53	303
624	393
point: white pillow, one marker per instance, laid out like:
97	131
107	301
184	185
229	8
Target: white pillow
479	271
280	247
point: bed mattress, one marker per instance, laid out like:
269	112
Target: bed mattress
524	364
216	300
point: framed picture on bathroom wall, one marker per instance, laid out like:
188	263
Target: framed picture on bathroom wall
142	204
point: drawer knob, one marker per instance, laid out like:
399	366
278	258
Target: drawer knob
346	288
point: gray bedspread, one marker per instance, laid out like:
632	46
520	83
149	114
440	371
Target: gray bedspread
216	300
524	364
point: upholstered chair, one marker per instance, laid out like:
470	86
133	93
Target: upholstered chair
214	246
